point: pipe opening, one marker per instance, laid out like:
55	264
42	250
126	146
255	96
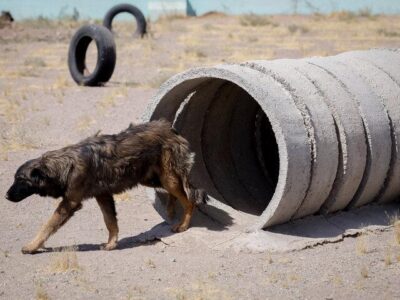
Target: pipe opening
237	159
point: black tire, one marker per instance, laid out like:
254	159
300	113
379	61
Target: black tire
106	55
140	20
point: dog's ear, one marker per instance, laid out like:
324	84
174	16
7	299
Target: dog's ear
37	175
57	169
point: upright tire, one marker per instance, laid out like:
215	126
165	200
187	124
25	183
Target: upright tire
133	10
106	55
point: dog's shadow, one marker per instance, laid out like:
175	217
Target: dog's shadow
153	235
150	237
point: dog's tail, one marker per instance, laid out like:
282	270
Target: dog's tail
197	196
183	161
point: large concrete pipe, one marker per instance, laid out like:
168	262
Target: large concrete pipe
284	139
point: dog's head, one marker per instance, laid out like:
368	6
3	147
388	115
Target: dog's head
26	181
33	177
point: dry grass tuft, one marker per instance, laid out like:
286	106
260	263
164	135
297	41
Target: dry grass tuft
64	261
337	280
348	16
150	263
171	17
364	272
11	110
137	293
269	259
273	278
111	99
388	257
41	293
343	15
159	79
361	244
195	52
396	229
122	197
366	12
85	122
35	62
15	139
388	33
253	20
293	28
61	83
200	290
6	253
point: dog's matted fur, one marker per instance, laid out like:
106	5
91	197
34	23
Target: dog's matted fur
151	154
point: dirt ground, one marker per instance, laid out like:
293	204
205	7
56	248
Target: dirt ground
41	108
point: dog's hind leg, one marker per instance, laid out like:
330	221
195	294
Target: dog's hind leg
62	214
173	185
107	206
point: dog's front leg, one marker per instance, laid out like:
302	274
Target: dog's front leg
107	206
62	214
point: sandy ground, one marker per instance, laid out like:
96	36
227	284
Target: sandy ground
41	108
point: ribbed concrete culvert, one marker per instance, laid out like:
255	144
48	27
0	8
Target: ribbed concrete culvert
350	134
375	123
384	77
322	129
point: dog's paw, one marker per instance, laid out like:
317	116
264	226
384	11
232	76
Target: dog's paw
28	249
109	246
179	228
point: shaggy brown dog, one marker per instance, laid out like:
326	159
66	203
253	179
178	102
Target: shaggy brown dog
151	154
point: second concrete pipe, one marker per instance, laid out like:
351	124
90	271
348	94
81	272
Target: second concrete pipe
289	138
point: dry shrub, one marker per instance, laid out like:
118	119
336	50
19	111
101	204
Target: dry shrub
343	15
166	18
293	28
253	20
388	33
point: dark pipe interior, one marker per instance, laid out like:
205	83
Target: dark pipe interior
267	148
237	159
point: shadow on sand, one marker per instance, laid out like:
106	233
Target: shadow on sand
153	235
333	225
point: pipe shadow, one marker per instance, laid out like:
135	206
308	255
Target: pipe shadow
333	225
206	215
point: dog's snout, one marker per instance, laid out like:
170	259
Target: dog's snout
9	194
